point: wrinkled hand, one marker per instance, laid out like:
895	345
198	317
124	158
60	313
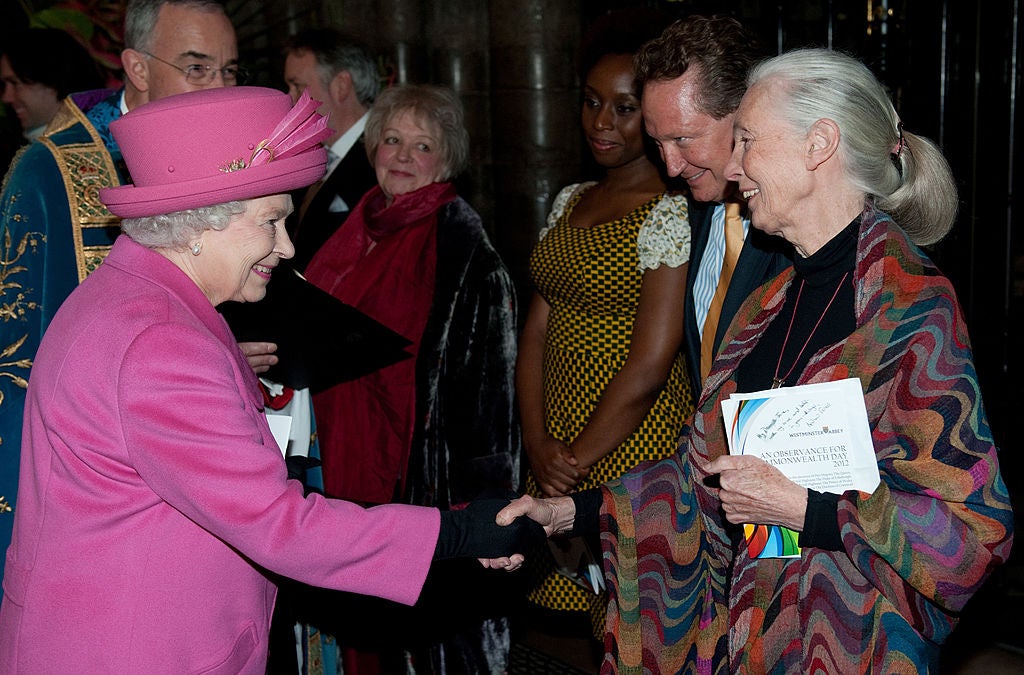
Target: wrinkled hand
260	355
555	515
509	564
554	467
753	491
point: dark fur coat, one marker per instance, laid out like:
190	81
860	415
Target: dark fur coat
467	439
466	444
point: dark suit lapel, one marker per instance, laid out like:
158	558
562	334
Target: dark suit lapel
325	196
761	259
354	175
350	180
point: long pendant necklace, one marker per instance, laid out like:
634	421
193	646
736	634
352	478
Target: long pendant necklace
780	381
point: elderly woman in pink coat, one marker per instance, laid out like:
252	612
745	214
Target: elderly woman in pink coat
154	499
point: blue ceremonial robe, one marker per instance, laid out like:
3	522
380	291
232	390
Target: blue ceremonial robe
55	231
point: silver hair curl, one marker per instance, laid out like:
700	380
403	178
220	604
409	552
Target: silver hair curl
141	17
176	230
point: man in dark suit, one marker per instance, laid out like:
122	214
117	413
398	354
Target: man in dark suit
343	76
693	77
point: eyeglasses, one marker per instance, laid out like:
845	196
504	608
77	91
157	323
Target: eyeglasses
197	73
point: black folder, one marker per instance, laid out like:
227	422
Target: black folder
321	341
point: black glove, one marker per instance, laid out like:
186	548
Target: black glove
297	466
472	533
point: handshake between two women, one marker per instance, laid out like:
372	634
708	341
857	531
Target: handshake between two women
489	529
493	531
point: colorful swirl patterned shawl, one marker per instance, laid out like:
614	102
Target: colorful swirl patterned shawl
686	596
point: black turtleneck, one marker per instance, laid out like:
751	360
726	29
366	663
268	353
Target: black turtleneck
819	276
782	353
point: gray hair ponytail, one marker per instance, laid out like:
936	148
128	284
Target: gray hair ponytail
905	174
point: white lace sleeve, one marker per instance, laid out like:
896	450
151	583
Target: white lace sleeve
665	236
558	206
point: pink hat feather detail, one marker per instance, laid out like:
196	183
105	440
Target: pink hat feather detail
300	129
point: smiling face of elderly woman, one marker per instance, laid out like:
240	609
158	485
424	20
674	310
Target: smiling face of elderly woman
409	155
235	263
770	164
416	135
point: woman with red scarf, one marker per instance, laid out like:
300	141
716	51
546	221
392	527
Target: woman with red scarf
439	428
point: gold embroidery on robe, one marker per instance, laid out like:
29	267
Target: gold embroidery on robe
85	168
14	305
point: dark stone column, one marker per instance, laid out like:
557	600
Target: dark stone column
535	120
457	37
400	37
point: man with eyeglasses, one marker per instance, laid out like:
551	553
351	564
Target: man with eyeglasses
53	229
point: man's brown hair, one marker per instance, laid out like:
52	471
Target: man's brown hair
721	50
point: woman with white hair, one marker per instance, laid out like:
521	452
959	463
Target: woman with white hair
155	503
414	256
824	162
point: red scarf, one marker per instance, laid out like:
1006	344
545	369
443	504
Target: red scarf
382	261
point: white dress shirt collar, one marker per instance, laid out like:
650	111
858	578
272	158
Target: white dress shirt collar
344	143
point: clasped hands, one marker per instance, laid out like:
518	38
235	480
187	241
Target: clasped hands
750	489
554	466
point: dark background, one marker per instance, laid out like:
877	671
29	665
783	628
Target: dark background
953	67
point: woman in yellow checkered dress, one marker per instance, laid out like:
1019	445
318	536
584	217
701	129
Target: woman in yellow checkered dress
601	378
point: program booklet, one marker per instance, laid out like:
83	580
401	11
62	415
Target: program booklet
817	435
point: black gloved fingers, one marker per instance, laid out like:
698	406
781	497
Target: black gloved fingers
472	533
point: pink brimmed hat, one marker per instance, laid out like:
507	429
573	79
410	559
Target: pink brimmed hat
216	145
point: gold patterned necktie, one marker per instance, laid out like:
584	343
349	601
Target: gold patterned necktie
733	246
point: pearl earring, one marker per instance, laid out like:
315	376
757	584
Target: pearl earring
196	247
